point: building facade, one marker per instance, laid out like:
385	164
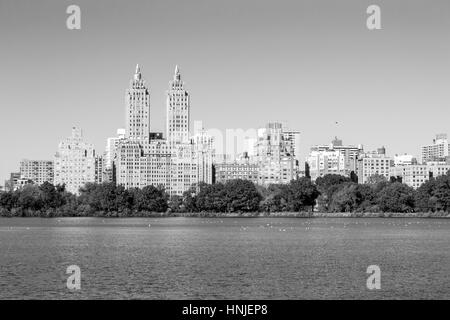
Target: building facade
415	175
38	171
275	156
404	159
12	183
292	139
243	168
137	114
438	151
177	111
75	162
335	158
374	163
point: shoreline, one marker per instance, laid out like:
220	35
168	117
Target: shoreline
304	215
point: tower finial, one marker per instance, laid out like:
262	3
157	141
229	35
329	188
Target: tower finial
137	74
177	73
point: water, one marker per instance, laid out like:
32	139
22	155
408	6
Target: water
246	258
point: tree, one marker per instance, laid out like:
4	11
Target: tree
105	197
376	178
353	177
327	185
30	198
396	197
150	199
9	200
175	204
241	196
352	197
441	193
275	199
51	197
211	198
302	193
189	200
434	195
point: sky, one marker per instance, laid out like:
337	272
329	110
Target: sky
311	64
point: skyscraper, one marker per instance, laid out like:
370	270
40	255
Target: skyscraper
292	139
178	111
75	162
137	111
276	162
144	158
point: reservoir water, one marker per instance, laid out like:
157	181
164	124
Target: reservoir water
224	258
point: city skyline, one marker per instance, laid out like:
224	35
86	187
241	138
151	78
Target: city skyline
138	130
71	83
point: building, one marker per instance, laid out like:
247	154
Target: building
270	158
334	158
438	151
292	139
137	99
109	156
75	162
374	163
404	159
277	171
12	183
145	158
100	170
178	111
22	183
111	146
38	171
243	168
203	155
417	174
274	155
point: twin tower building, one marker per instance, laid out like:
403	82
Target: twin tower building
138	157
174	162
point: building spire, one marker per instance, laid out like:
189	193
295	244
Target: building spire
137	74
177	73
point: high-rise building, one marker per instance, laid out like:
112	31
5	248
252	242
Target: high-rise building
111	146
416	174
274	156
374	163
203	155
438	151
178	111
75	162
175	163
335	158
292	139
137	99
100	170
38	171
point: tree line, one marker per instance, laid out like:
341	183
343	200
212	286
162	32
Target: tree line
328	194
